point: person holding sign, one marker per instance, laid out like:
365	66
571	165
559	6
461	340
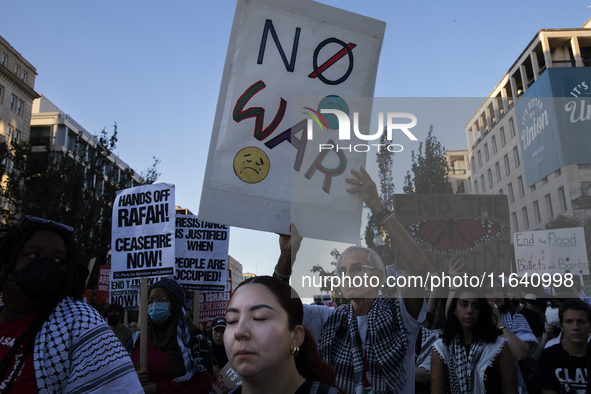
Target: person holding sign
52	342
178	356
267	344
471	356
368	342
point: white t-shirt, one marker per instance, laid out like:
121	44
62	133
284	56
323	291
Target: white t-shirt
315	316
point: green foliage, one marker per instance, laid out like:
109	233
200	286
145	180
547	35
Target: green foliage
337	295
430	170
75	187
375	237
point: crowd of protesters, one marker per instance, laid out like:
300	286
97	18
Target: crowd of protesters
454	340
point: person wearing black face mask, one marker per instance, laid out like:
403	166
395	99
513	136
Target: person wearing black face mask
115	313
52	341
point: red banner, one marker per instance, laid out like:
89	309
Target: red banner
213	304
102	291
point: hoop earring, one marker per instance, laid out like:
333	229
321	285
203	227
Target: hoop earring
295	351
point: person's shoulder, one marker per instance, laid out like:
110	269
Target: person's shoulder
77	313
552	352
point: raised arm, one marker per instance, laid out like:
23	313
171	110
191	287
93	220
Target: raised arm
410	251
289	245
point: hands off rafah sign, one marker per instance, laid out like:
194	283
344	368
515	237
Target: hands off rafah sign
201	254
273	158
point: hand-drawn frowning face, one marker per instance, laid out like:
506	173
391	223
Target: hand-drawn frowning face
251	164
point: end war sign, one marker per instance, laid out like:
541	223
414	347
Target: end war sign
142	243
201	254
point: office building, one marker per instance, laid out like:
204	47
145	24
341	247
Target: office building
529	139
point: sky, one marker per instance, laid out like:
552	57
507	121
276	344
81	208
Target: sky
154	68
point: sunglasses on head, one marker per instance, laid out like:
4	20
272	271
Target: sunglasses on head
35	219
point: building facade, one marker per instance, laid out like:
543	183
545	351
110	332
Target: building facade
511	118
50	125
236	270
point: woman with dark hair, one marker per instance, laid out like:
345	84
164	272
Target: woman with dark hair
178	355
471	356
267	344
53	343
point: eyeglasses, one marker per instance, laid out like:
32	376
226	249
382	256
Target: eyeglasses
35	219
161	299
353	269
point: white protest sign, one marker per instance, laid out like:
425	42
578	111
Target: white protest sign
551	251
143	243
201	254
271	161
227	379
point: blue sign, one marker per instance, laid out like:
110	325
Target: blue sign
554	122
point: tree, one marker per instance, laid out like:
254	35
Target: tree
375	237
430	170
337	295
75	187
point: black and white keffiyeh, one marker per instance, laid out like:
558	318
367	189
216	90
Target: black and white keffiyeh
341	347
76	352
519	327
467	371
428	338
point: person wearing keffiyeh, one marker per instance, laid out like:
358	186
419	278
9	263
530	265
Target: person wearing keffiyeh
178	356
471	356
54	343
368	342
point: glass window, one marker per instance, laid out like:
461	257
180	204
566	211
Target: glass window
507	168
516	157
514	219
525	218
586	187
476	187
19	108
16	69
40	135
3	60
503	140
23	76
511	197
549	205
486	154
500	191
537	216
544	180
562	199
511	127
557	173
493	141
12	102
533	187
498	171
482	184
17	134
479	159
473	164
1	93
490	178
520	185
9	131
586	166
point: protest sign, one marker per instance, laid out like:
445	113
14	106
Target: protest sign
227	379
143	243
201	261
264	172
473	229
213	304
102	290
551	251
